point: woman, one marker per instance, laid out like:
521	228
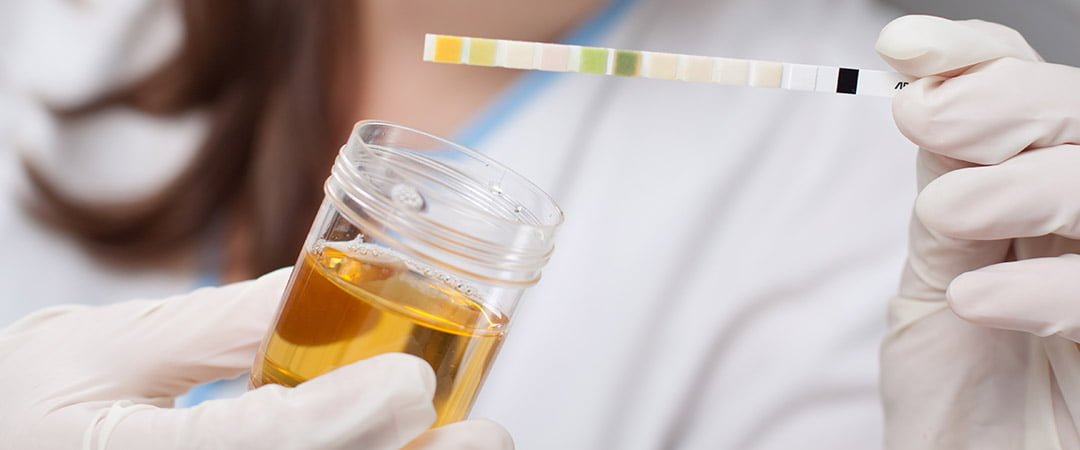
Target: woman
705	293
668	243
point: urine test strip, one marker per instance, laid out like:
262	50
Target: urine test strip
664	66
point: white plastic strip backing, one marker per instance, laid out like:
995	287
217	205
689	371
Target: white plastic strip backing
665	66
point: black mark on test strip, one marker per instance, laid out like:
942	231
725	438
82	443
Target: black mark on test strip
847	81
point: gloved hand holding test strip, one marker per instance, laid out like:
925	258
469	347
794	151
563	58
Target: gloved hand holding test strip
663	66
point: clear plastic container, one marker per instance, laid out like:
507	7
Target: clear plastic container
421	246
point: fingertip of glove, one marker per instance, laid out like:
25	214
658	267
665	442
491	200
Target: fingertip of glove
474	434
905	44
392	389
964	294
262	295
405	377
276	277
921	46
940	205
490	435
985	203
898	40
406	363
271	282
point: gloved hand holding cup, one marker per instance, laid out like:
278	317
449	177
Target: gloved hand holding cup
100	378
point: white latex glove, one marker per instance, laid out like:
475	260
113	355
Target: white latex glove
981	349
105	377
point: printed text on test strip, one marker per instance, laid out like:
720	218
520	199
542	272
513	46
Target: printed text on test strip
664	66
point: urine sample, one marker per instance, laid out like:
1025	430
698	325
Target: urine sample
421	247
344	305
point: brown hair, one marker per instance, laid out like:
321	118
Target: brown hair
268	72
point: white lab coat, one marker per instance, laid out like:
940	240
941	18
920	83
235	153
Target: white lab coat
721	278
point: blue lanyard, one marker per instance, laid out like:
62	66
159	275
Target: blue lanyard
532	83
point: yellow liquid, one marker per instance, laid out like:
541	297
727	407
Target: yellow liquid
341	307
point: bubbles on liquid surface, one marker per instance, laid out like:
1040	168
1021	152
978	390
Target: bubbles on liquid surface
360	250
353	246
